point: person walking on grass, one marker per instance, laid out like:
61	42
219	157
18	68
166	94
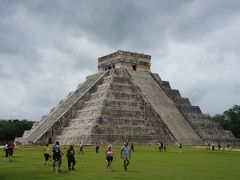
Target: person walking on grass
80	148
11	147
57	158
125	155
109	157
132	147
6	149
97	148
71	158
46	153
180	148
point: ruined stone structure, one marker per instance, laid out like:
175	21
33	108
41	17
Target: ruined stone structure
124	101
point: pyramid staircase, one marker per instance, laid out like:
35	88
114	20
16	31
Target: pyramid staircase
116	112
171	116
65	110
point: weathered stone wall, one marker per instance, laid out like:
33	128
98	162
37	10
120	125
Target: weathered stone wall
201	123
126	60
115	113
52	122
165	107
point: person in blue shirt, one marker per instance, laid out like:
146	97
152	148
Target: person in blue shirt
57	157
71	158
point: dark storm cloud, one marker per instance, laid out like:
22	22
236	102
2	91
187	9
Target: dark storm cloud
48	47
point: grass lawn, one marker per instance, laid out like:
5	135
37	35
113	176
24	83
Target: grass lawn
146	163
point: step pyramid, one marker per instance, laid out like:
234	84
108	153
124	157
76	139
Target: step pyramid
123	102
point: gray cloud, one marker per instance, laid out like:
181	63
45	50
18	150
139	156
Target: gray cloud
48	47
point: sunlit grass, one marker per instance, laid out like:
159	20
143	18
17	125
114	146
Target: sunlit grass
146	163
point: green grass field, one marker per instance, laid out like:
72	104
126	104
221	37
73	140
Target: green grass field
146	163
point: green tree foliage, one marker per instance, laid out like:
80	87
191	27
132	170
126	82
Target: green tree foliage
230	120
9	129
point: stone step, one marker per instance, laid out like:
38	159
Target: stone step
168	112
192	115
188	109
63	107
121	88
181	101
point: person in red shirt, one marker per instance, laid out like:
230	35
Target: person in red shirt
10	150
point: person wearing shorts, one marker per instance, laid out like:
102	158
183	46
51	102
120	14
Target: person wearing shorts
46	153
109	157
126	156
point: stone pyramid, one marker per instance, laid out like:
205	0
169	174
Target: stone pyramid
124	101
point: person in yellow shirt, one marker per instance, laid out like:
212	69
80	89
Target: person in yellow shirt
46	152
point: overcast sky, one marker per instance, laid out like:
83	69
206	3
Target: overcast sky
48	47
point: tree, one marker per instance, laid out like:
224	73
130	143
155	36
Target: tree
230	120
10	129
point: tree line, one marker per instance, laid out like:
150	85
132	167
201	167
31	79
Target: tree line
230	120
10	129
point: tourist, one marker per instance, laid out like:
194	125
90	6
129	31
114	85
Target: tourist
46	153
80	148
71	158
10	150
132	147
180	148
109	157
125	154
57	158
213	146
97	148
223	146
206	145
209	145
230	146
159	147
6	149
165	147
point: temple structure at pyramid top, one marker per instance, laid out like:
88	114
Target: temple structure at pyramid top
125	101
126	60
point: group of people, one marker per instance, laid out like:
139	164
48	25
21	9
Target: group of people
56	155
220	146
124	154
162	147
8	148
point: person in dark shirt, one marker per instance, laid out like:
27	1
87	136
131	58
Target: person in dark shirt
57	158
11	147
97	148
180	147
71	158
132	147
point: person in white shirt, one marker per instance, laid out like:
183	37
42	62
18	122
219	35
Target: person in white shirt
125	155
6	149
